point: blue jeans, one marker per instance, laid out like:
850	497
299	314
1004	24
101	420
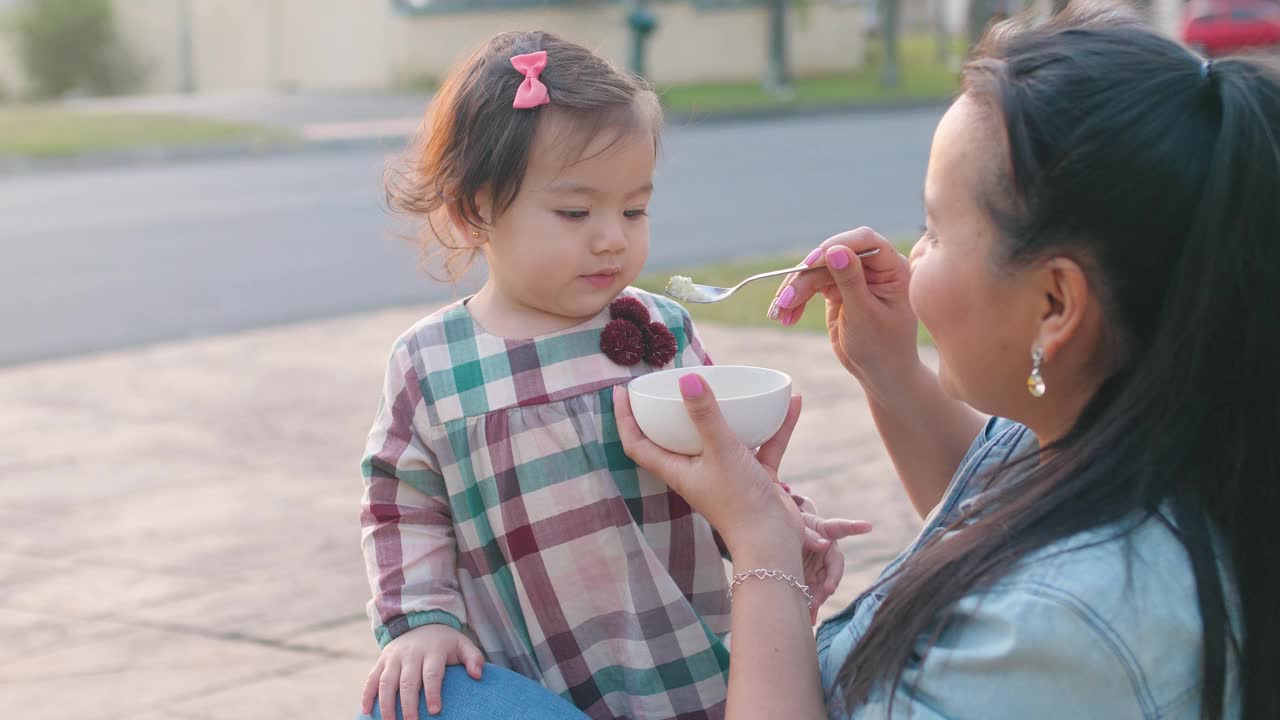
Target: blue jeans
498	694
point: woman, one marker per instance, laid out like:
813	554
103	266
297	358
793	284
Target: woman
1099	266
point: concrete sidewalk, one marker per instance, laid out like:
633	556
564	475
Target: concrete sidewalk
180	535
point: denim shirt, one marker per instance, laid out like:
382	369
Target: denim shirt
1091	626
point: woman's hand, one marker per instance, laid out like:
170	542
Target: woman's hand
873	333
735	490
869	318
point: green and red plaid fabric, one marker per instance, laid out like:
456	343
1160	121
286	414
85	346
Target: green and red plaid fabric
498	500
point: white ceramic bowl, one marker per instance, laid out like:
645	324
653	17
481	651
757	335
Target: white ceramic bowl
753	400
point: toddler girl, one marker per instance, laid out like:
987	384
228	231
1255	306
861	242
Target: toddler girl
501	519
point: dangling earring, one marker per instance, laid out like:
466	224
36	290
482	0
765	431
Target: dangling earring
1035	381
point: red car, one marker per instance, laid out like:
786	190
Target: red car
1223	27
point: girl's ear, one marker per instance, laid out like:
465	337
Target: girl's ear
471	234
466	233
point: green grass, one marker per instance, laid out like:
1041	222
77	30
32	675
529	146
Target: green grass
46	132
748	307
922	77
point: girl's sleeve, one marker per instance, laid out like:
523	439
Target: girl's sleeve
406	522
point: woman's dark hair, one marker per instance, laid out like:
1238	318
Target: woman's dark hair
1161	175
473	139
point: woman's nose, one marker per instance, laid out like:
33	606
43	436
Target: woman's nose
916	251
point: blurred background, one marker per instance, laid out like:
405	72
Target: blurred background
199	283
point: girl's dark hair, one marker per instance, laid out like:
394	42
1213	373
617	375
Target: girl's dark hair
474	140
1161	175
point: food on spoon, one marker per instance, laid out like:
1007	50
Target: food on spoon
681	288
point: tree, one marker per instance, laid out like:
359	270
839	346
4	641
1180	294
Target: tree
68	45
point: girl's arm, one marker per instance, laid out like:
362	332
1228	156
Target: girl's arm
410	554
406	522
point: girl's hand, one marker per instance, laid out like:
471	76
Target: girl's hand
823	561
869	319
735	490
416	661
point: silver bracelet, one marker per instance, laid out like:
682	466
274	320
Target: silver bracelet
765	574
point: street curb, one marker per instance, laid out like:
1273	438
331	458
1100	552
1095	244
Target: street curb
178	154
165	155
729	117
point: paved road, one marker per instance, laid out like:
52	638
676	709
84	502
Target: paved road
101	259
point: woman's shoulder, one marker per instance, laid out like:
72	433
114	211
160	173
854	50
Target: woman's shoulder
1125	592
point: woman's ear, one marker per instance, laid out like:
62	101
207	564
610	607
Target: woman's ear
1067	304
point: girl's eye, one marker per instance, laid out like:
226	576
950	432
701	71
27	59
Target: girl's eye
572	214
635	213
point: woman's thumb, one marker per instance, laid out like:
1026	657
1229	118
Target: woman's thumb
703	410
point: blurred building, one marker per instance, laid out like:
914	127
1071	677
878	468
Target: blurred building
284	45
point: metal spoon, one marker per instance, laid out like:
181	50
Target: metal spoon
701	294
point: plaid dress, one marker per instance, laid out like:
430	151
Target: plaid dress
498	501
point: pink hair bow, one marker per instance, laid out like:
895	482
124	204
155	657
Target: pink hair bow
531	92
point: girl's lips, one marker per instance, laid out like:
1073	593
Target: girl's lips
601	280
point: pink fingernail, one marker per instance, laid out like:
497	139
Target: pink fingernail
791	318
838	258
691	386
787	297
813	257
773	310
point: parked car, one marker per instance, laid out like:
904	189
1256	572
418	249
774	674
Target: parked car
1222	27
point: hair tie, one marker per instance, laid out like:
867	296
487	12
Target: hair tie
532	92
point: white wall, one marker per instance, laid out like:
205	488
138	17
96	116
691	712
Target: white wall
270	45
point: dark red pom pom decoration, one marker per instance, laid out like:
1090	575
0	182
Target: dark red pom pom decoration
622	342
659	344
629	308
